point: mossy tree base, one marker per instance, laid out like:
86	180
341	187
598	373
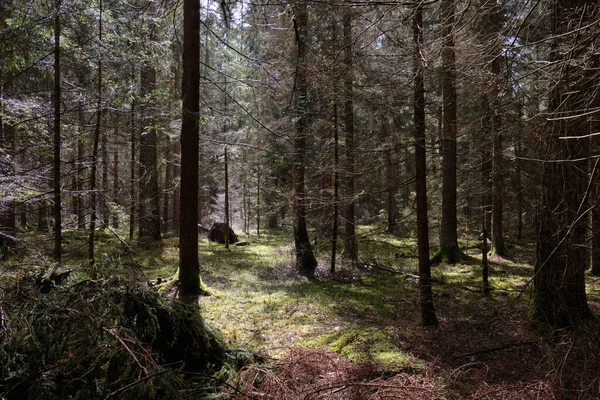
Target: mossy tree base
450	255
498	249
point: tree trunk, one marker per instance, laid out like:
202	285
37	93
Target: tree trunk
226	198
80	198
498	171
149	219
115	173
306	262
105	188
132	173
168	186
559	277
391	175
258	201
428	317
350	239
97	137
189	266
42	220
449	250
57	139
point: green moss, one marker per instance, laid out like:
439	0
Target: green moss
450	255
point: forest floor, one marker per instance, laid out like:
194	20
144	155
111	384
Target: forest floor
355	334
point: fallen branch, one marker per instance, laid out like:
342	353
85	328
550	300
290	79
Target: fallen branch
132	384
497	348
398	272
131	353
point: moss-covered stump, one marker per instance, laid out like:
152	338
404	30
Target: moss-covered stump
101	339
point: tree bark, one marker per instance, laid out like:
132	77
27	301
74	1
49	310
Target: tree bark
391	175
97	137
168	186
149	218
559	281
494	26
115	172
306	262
189	266
428	317
449	250
350	239
132	172
80	198
105	189
57	139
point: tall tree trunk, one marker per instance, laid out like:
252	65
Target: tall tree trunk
336	183
391	175
226	199
42	217
258	201
149	222
306	263
519	173
494	26
449	250
168	186
105	189
350	239
132	172
80	198
115	172
57	141
559	281
97	137
428	317
177	189
189	266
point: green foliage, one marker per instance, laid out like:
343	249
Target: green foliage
93	338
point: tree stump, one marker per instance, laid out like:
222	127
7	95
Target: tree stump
218	233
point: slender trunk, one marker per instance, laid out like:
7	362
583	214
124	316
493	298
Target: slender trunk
350	240
80	199
57	141
177	188
336	156
149	222
258	201
306	262
336	185
42	220
449	250
519	183
189	266
226	200
391	180
105	188
498	172
168	185
132	173
428	316
97	134
484	257
115	173
24	216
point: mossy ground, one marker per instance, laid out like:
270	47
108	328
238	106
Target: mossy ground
368	314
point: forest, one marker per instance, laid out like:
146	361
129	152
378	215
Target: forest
299	199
